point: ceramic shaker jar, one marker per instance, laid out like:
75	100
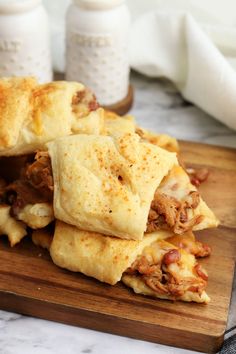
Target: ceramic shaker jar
24	40
97	47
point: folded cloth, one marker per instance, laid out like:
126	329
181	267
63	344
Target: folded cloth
172	44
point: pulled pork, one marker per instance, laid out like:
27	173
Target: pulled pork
168	212
39	174
35	185
159	278
84	102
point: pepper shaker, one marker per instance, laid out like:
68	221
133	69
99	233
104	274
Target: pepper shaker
97	47
24	40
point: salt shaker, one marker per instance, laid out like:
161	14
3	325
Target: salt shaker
97	47
24	40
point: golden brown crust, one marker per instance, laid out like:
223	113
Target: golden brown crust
32	114
15	97
165	141
109	259
115	125
15	230
37	215
102	257
106	185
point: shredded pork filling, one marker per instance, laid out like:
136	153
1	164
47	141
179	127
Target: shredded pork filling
168	212
84	102
159	278
35	185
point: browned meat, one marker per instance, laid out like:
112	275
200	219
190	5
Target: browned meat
84	102
20	193
178	287
159	278
39	174
79	97
156	285
35	184
167	206
142	266
168	212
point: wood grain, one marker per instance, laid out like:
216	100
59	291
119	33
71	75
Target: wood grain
31	284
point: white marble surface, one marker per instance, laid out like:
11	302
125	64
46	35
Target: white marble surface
158	107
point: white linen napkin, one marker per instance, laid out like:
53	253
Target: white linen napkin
172	44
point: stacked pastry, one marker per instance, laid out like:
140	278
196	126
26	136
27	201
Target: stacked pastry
121	206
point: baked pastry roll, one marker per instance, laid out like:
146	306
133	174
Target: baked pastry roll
151	266
165	141
177	205
13	229
106	185
115	125
116	186
30	199
33	114
187	241
102	257
167	272
36	215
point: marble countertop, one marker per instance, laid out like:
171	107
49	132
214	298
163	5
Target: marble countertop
159	107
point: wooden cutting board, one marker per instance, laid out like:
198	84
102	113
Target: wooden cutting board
31	284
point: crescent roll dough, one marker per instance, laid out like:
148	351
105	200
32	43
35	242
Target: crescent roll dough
32	114
165	141
115	125
102	257
151	266
15	230
37	215
106	185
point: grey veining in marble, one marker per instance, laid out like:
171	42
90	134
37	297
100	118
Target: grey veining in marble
25	335
160	108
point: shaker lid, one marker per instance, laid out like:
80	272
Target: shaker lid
98	4
15	6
